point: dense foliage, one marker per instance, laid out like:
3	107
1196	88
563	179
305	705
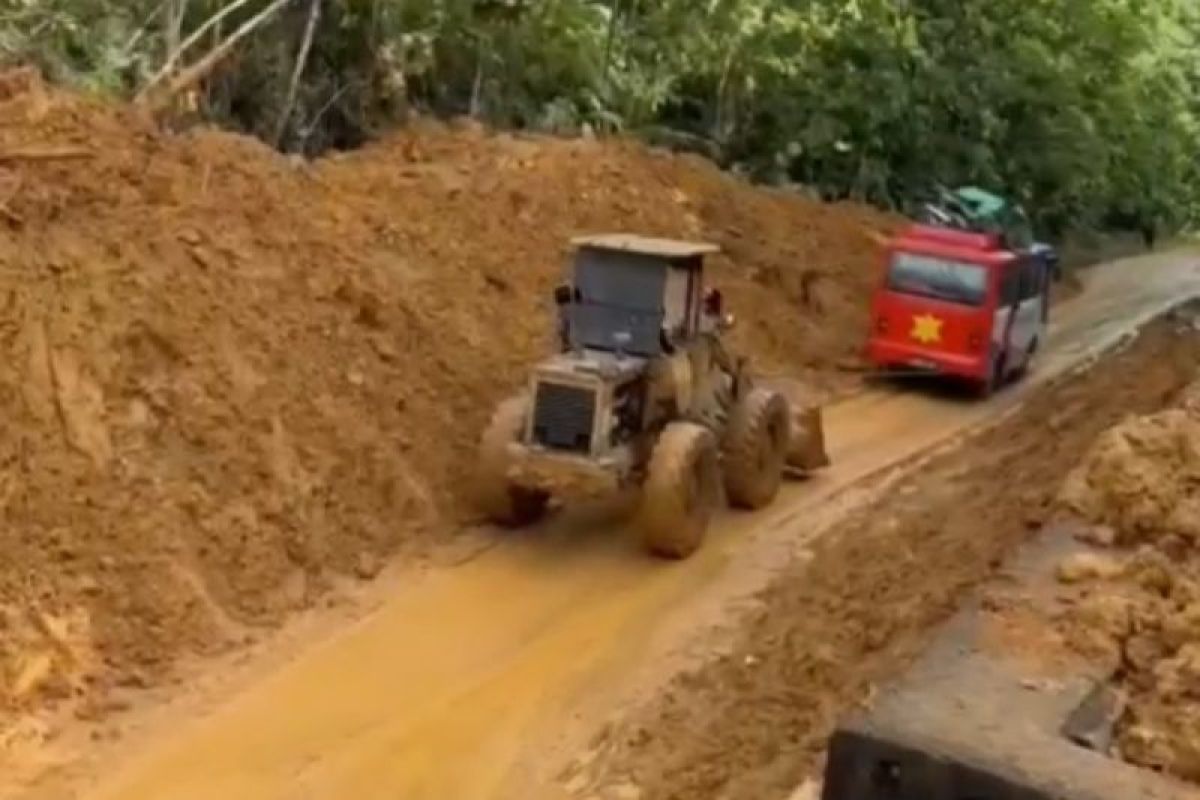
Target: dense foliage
1087	110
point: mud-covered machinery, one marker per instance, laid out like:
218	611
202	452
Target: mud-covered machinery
644	393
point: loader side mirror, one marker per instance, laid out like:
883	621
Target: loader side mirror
562	295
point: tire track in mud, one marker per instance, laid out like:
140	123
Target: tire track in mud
753	722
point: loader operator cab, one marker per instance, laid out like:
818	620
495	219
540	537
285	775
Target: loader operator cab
635	295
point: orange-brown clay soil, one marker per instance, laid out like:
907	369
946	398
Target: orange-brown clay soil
753	722
1138	604
230	378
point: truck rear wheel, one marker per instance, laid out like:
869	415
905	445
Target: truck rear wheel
756	448
994	381
1027	362
497	497
682	490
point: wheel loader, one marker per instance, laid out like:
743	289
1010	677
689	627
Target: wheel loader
643	393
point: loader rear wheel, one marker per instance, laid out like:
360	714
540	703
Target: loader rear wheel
756	448
500	500
682	490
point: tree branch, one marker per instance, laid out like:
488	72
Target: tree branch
141	32
310	29
66	153
195	73
173	57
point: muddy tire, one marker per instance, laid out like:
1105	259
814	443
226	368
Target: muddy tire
682	491
499	500
1027	362
756	448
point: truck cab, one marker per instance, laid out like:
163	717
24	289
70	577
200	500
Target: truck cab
958	304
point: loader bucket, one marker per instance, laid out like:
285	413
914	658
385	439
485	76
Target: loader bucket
806	451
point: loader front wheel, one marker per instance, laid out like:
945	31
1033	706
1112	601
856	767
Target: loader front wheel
502	502
756	448
682	490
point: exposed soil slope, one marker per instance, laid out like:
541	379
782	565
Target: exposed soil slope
1139	610
229	378
753	722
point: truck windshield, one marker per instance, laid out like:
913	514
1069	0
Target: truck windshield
939	278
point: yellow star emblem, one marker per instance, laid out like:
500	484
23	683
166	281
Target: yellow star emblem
926	329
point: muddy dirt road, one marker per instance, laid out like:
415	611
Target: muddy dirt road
477	681
828	632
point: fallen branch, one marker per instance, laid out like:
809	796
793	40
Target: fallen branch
196	73
45	154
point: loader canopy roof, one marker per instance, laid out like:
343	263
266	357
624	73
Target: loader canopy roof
646	245
633	292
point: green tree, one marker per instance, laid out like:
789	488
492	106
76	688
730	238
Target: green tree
1086	110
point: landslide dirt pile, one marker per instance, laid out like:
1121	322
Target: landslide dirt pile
229	378
1141	477
490	216
1140	608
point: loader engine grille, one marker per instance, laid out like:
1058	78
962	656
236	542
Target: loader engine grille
562	417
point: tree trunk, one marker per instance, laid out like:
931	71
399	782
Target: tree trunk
614	11
173	26
477	84
310	29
